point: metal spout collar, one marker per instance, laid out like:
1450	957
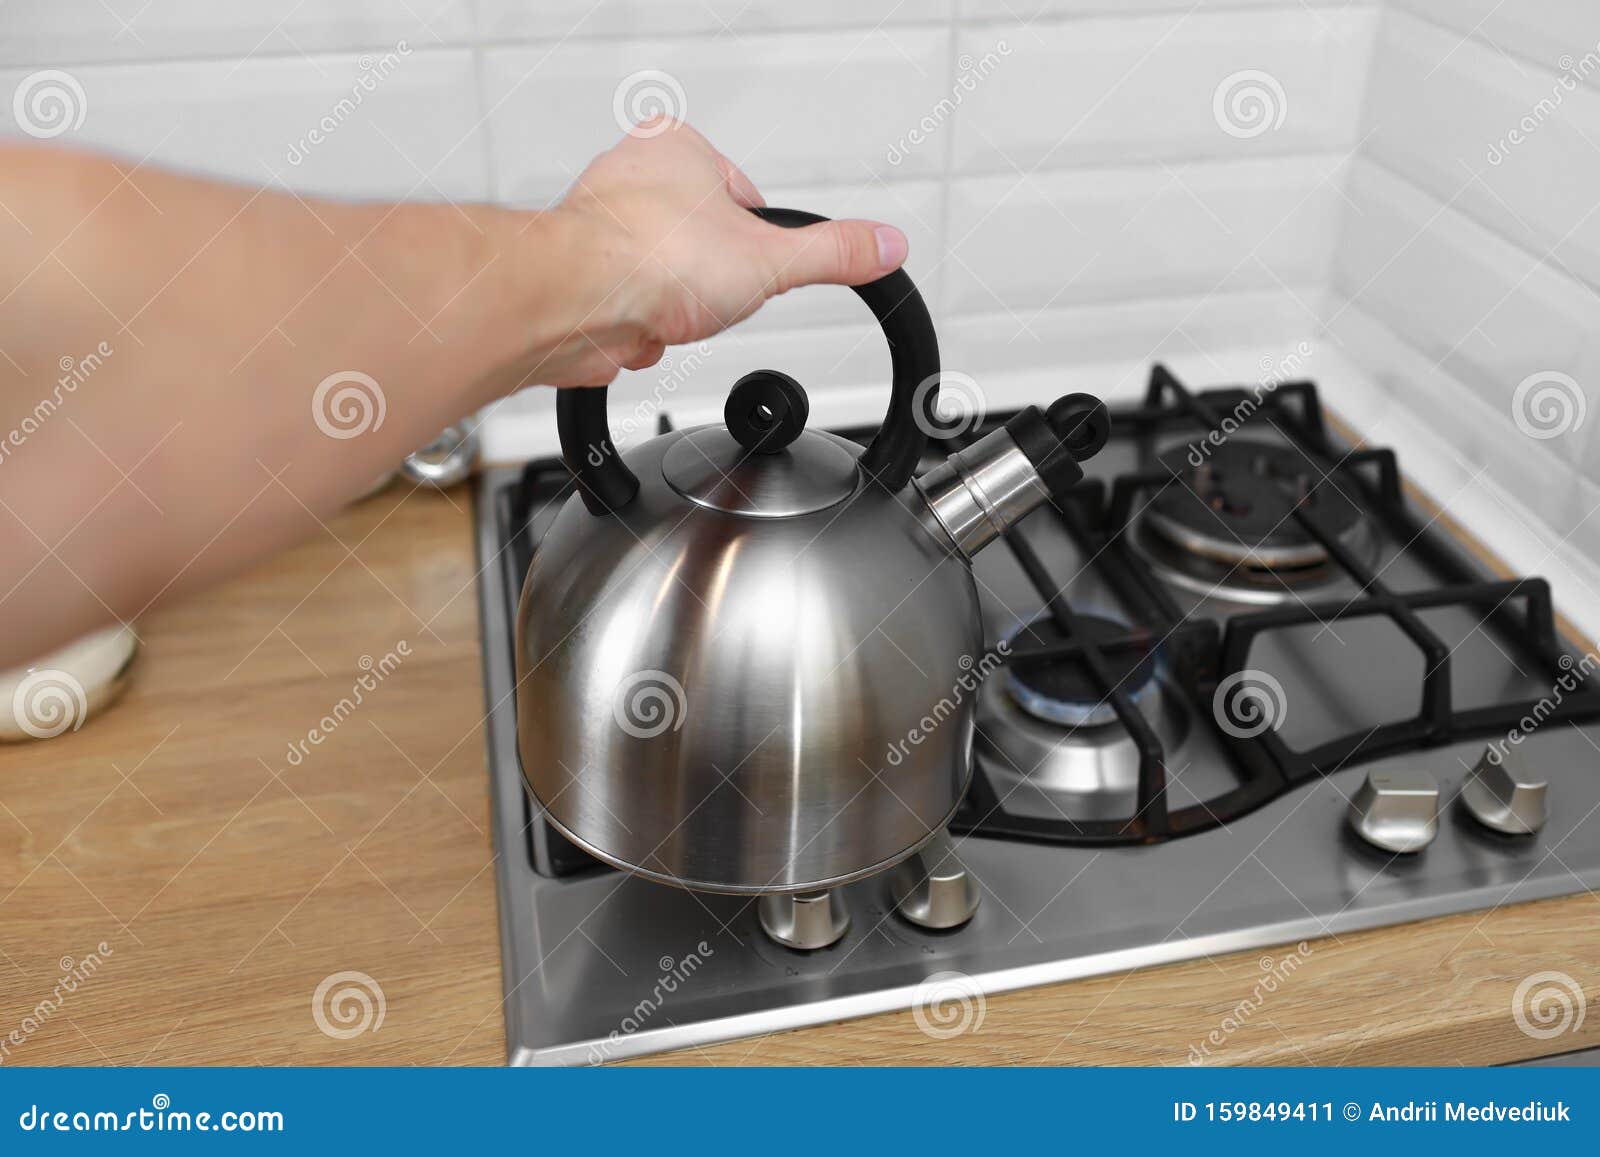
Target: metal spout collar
976	494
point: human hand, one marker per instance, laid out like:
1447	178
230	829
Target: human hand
670	254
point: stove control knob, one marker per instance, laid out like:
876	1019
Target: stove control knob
1397	810
1505	794
932	889
807	921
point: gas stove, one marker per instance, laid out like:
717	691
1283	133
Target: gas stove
1242	689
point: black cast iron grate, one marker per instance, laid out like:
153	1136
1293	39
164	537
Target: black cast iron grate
1205	654
1200	652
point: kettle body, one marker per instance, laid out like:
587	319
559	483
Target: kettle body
746	652
722	703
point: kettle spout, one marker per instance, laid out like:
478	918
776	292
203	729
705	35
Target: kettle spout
979	492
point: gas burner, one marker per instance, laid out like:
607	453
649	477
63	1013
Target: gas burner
1227	525
1063	691
1051	743
1096	847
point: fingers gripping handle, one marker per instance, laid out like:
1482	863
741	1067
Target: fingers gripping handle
607	485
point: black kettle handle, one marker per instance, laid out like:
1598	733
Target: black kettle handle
606	484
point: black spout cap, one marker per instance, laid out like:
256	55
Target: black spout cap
1074	429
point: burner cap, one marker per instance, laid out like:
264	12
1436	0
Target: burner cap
1064	690
1237	506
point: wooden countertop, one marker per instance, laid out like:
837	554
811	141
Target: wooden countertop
228	882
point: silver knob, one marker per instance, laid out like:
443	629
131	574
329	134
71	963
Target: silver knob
932	889
447	459
806	921
1397	810
1505	794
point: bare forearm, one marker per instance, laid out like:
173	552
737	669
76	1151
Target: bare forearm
165	340
193	373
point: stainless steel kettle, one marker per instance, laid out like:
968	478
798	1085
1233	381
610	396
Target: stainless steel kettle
742	649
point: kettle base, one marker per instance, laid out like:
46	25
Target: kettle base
763	889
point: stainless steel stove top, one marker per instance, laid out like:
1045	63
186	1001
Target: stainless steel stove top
1086	861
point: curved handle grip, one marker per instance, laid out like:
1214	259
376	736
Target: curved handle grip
607	484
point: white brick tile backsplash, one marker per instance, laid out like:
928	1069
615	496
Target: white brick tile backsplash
727	20
1477	434
916	207
1031	10
1109	91
1484	310
992	346
796	109
1542	32
53	32
1059	239
412	135
1142	228
1443	111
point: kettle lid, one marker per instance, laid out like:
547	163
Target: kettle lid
764	463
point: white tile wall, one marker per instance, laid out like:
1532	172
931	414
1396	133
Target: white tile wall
726	19
916	206
1071	196
1543	31
1477	435
1485	309
1031	10
56	32
1020	359
867	106
1444	112
1468	256
1079	236
775	104
864	107
1114	90
413	134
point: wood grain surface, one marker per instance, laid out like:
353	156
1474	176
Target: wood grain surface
228	882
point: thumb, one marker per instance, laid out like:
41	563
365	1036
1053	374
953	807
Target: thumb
838	253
